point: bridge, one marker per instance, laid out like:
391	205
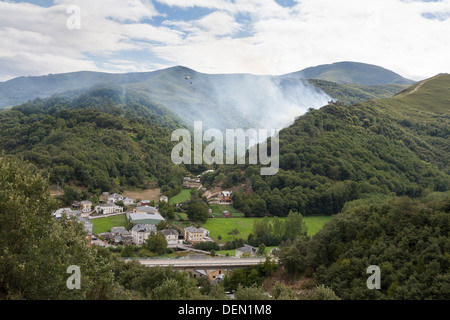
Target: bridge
204	263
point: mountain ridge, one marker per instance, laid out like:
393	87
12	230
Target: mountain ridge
22	89
352	72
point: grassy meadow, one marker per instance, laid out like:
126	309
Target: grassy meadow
182	196
224	226
101	225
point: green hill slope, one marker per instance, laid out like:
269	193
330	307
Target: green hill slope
101	139
222	101
353	72
364	151
428	95
354	93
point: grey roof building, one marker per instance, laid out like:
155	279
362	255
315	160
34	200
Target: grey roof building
145	218
141	232
146	209
246	250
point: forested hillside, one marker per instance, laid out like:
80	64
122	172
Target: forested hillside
341	153
354	93
223	101
407	239
102	139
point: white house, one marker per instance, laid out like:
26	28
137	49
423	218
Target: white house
108	208
128	201
225	197
163	199
113	198
141	232
86	206
170	235
82	206
63	211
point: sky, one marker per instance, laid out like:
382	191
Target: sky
410	37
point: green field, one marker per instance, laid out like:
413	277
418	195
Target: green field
314	224
218	208
182	196
101	225
223	226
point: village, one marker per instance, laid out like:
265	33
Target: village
142	218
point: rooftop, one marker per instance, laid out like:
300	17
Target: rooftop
247	248
167	232
195	230
146	209
144	228
145	216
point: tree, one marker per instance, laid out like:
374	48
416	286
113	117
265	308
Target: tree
128	251
176	287
293	257
294	225
156	243
168	290
198	211
259	207
283	292
322	293
162	225
217	292
36	249
261	250
250	293
278	227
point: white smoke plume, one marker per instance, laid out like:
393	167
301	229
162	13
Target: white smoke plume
269	102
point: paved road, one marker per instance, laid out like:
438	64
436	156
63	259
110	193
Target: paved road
203	263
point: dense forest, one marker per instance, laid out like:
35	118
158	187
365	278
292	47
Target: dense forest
407	239
102	139
341	153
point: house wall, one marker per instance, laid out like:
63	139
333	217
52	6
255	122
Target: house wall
193	237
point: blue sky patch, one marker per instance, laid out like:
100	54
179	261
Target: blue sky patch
440	16
179	14
286	3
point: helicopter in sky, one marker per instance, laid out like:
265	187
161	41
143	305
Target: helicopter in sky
188	78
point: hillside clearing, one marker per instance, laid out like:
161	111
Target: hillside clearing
149	194
182	196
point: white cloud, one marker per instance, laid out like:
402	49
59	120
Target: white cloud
393	34
240	36
36	40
